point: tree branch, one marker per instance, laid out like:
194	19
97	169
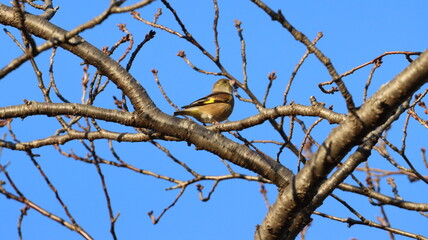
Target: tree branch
351	132
148	114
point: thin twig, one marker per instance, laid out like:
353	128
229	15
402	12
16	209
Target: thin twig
297	67
155	74
52	187
366	222
215	24
113	218
208	197
156	219
243	52
376	65
271	77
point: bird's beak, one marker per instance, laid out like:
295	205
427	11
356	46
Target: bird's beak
233	84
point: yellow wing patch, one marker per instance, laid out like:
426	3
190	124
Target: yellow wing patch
210	100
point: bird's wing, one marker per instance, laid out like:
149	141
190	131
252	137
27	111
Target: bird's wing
218	97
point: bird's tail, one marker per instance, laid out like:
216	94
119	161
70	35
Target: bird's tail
179	113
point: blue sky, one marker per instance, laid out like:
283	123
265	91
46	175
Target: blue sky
354	32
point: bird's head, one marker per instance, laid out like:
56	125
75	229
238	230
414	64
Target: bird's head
223	85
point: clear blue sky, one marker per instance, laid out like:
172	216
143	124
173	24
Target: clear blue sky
354	32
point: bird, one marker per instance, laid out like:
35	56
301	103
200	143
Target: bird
213	108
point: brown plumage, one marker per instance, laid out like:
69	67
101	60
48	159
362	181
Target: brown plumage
213	108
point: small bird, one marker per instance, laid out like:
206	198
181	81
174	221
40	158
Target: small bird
213	108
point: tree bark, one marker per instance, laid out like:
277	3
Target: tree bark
150	116
289	211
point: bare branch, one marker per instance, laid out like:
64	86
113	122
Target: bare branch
373	113
299	36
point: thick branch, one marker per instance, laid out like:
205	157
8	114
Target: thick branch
32	108
150	116
279	111
372	114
